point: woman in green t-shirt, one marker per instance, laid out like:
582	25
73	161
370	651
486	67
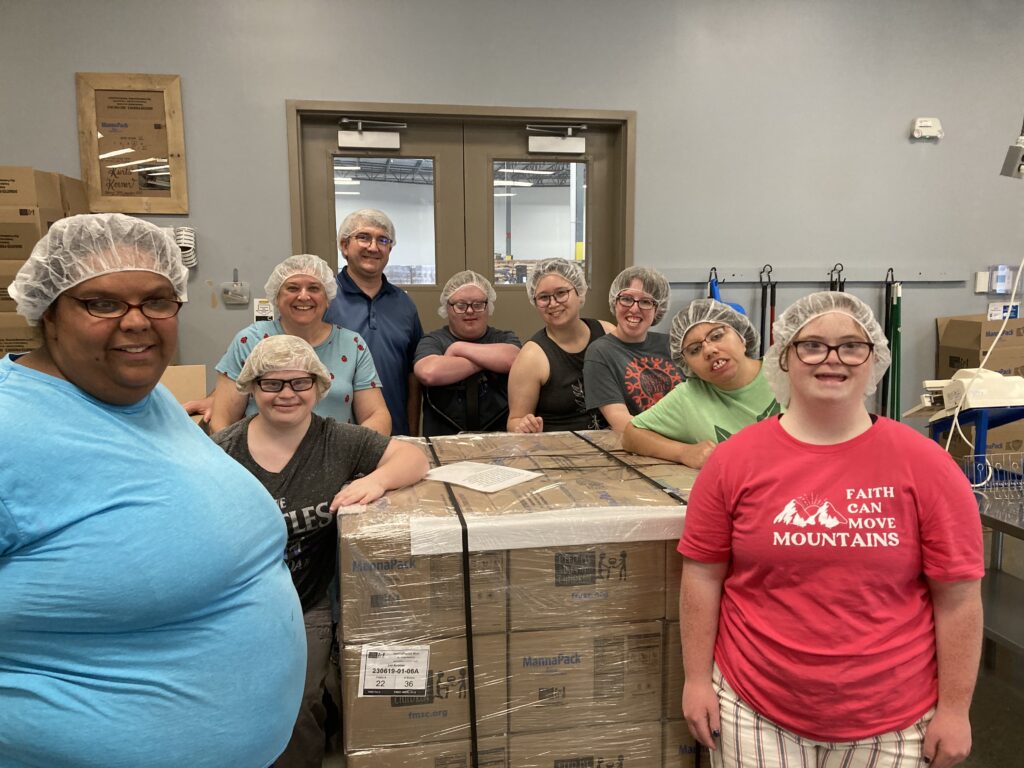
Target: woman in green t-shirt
724	391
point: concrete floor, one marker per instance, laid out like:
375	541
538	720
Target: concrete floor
997	718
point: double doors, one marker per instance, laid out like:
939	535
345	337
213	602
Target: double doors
465	192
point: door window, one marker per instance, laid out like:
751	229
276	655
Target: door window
402	187
539	213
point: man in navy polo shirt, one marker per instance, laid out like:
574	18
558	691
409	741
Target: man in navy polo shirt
380	312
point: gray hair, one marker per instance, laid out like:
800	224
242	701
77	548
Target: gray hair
362	217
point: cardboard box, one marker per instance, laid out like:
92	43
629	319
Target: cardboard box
30	201
673	576
24	187
574	677
16	335
387	593
679	748
492	753
20	230
73	196
8	269
497	445
963	341
186	382
571	586
442	715
629	746
674	677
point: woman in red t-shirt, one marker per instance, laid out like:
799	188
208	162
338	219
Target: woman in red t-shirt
830	602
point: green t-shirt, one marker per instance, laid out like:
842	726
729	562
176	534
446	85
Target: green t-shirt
696	411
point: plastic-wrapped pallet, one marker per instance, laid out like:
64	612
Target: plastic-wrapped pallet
565	577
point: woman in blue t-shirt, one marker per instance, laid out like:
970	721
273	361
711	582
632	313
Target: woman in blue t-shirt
146	614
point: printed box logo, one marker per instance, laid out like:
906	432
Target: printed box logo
575	569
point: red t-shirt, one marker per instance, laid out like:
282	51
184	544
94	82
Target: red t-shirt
826	623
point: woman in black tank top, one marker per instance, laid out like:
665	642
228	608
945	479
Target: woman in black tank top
545	386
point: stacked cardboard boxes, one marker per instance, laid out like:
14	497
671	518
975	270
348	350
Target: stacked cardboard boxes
30	201
567	593
962	343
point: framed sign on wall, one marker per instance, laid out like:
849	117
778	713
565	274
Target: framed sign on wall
131	142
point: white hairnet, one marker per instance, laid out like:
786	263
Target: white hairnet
789	323
564	268
302	264
710	311
461	280
364	217
283	353
652	282
82	247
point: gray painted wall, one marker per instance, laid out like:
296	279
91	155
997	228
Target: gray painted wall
768	130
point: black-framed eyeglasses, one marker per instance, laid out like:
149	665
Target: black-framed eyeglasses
714	336
365	238
298	384
462	307
111	309
850	353
559	297
627	301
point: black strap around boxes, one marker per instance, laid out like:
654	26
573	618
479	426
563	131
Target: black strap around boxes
474	738
656	483
661	487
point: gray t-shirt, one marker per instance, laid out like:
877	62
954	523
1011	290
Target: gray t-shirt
329	456
636	375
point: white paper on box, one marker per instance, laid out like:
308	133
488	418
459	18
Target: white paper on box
394	670
585	525
487	478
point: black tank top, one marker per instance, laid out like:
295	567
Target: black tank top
561	403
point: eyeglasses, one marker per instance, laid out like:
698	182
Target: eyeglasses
627	301
560	297
111	309
713	337
851	353
364	239
300	384
461	307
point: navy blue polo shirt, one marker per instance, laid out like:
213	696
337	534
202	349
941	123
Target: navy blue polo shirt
391	326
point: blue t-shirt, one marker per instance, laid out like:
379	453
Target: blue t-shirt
391	326
147	617
343	352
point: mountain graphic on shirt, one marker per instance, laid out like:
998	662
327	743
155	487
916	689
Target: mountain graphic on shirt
803	513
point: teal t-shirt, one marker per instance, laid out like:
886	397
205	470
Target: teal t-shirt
696	411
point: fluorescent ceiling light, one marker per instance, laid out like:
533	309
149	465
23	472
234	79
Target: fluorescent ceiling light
340	192
139	162
346	182
510	183
523	170
161	173
148	168
116	152
504	194
347	168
